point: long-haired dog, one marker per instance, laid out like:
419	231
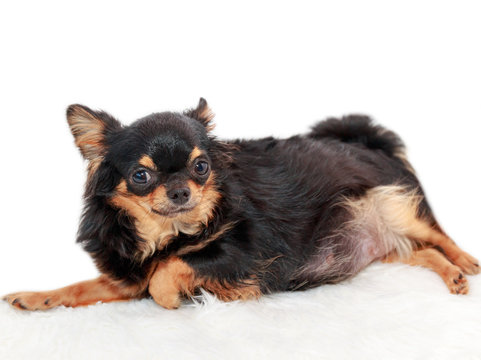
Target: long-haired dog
170	209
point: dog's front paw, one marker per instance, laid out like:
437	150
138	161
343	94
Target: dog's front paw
467	263
168	301
31	300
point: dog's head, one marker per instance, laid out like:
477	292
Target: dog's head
159	169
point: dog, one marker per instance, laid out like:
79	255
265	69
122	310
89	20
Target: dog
170	209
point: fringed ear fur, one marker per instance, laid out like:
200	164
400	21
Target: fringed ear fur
89	128
203	114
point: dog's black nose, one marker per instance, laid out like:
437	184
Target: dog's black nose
179	196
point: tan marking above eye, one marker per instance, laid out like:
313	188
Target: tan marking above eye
195	153
147	162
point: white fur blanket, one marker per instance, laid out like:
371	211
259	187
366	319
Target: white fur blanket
388	311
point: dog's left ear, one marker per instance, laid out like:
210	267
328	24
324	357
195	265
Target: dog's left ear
203	114
89	129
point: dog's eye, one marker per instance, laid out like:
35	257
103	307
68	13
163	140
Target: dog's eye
201	167
141	177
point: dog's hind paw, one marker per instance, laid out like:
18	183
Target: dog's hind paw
456	281
467	263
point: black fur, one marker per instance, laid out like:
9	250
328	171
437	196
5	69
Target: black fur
281	194
361	130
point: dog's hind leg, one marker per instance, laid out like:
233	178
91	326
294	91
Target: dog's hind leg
83	293
422	233
435	250
392	214
430	258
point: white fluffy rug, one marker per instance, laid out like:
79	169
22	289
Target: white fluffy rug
389	311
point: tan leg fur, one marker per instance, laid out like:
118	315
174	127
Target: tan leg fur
83	293
430	258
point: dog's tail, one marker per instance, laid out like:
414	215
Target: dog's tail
359	129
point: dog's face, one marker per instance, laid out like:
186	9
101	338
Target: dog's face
160	165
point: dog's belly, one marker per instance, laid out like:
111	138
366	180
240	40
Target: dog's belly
375	227
343	256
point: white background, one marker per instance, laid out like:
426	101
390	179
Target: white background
266	68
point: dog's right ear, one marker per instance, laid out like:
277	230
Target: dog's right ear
89	129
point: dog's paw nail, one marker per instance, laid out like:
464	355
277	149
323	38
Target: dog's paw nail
46	301
477	265
455	281
460	276
14	301
22	306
